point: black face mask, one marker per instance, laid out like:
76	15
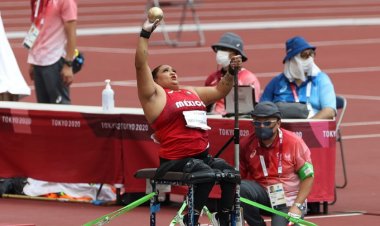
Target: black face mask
264	133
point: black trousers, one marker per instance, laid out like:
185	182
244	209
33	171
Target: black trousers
202	190
49	84
255	192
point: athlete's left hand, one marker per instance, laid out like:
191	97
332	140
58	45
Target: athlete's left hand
149	27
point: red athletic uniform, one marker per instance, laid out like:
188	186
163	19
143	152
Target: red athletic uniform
176	140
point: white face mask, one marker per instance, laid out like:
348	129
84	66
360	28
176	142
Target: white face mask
223	58
307	65
294	70
298	68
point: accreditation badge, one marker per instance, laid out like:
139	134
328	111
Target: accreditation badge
31	37
277	196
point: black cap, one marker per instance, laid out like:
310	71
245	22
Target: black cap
266	109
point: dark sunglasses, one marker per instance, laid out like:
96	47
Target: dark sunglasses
264	123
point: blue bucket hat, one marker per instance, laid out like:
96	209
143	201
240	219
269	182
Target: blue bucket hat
232	41
296	45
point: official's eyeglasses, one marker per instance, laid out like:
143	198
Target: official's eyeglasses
307	53
264	123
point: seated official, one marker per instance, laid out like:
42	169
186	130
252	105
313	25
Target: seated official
302	82
276	168
230	45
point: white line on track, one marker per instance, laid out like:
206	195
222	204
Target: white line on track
247	47
196	78
361	97
347	124
330	216
351	137
224	26
13	3
335	215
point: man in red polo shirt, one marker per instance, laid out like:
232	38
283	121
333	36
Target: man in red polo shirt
275	166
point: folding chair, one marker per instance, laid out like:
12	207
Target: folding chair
186	4
341	105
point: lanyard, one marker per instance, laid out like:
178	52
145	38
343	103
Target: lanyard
295	95
37	8
36	15
279	168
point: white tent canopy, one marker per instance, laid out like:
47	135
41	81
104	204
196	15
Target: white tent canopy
11	79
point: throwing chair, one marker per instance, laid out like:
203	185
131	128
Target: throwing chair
177	178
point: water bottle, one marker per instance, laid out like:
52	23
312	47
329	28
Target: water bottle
108	102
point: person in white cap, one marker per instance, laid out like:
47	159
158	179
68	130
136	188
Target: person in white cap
230	45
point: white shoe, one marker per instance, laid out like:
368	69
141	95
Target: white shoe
211	216
178	219
214	221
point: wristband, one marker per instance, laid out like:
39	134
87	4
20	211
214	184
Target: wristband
300	206
145	34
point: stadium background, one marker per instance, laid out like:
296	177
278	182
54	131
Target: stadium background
346	33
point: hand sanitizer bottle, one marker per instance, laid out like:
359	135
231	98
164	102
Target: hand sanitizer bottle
108	102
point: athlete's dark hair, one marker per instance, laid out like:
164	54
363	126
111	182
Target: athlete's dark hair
155	71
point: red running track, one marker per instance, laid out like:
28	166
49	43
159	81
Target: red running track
347	53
